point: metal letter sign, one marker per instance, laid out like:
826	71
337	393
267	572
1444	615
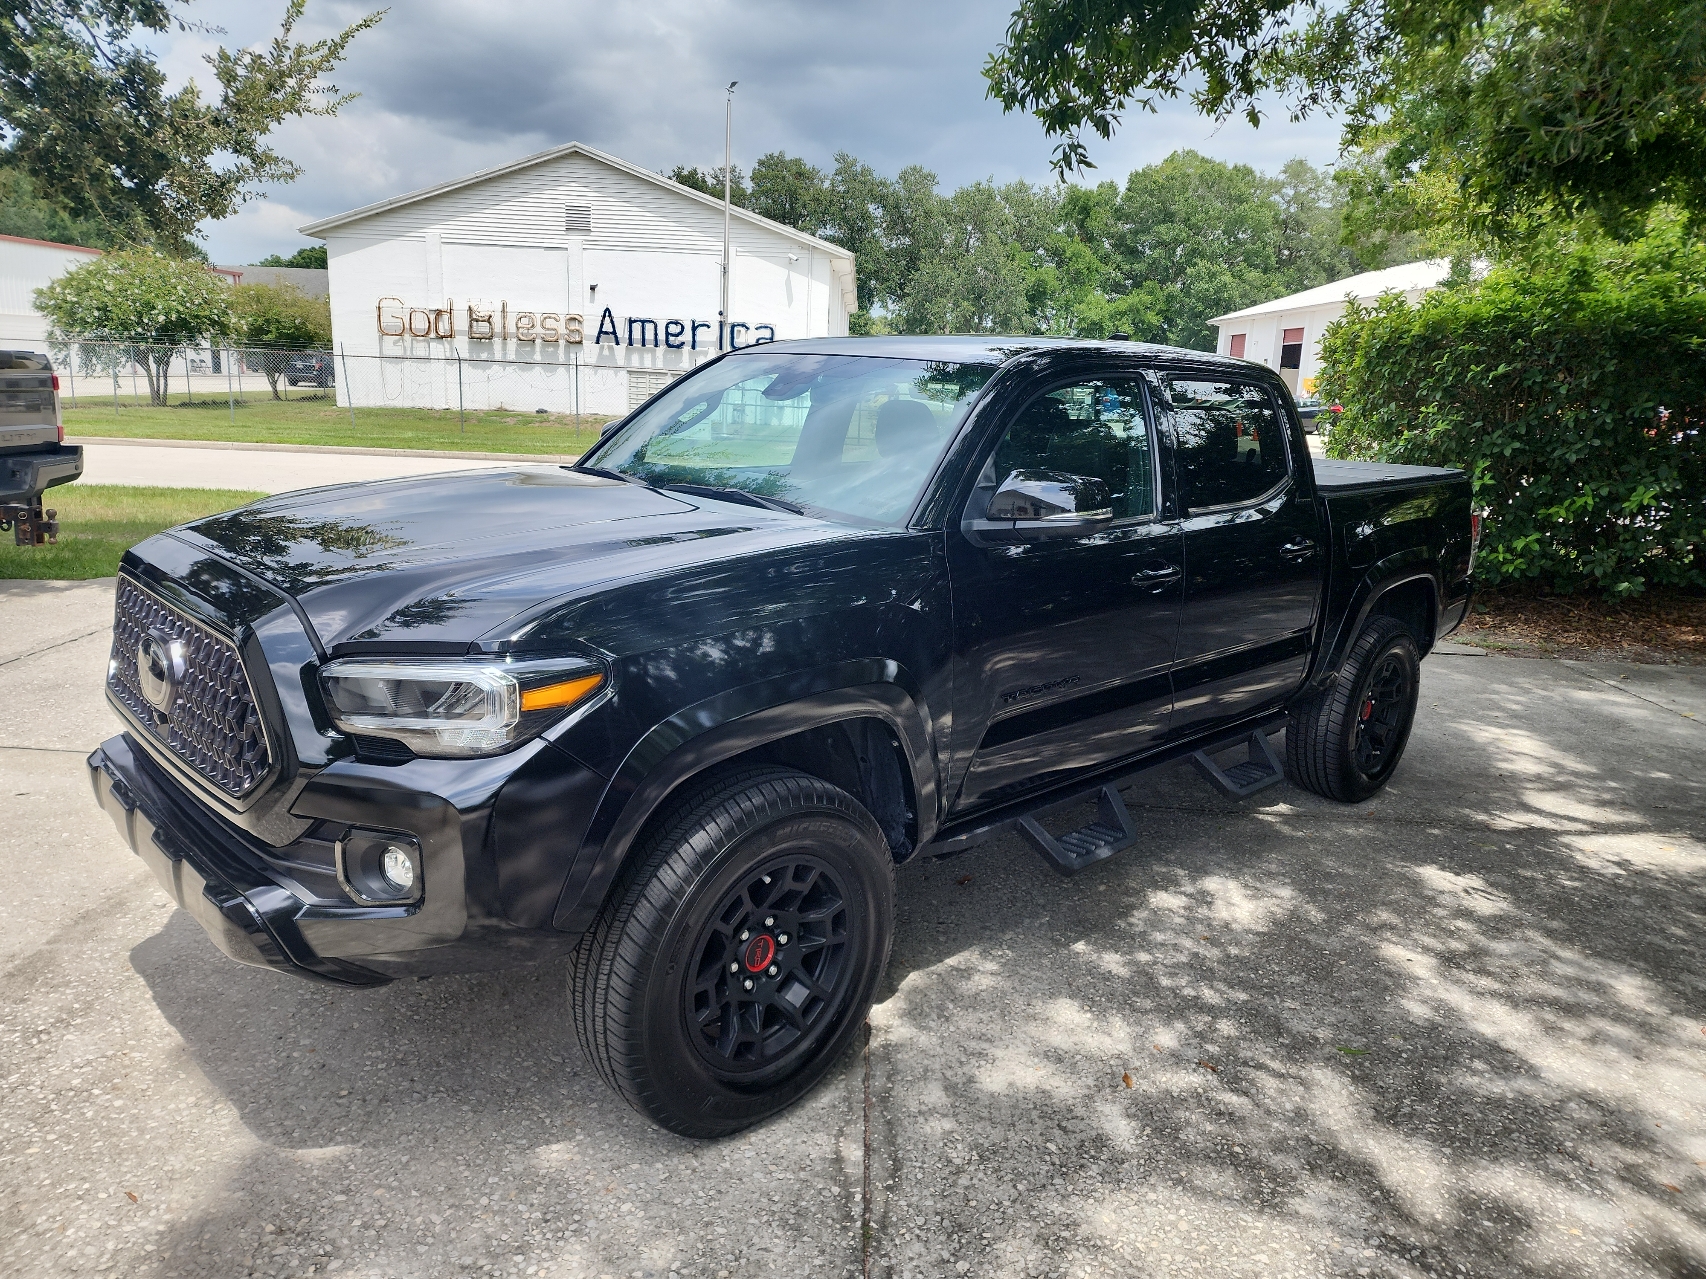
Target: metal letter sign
396	320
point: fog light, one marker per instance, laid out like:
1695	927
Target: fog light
398	870
380	868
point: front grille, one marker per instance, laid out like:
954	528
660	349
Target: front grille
211	724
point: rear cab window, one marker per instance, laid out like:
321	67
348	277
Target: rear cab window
1230	440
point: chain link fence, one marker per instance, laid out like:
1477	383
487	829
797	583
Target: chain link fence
138	374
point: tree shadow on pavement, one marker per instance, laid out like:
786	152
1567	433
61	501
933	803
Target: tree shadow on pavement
1457	1030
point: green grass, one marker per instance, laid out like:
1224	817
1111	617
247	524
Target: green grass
99	522
317	419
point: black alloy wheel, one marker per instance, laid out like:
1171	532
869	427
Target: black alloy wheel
1383	718
771	968
1345	743
736	956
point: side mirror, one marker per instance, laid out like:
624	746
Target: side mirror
610	428
1031	506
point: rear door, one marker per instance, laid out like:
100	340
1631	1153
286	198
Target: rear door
1253	558
1063	645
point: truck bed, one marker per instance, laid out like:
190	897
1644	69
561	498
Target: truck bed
1347	477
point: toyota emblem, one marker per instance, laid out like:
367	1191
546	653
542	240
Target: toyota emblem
159	669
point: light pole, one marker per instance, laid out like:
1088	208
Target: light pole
728	165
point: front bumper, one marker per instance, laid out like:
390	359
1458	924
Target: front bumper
23	475
249	916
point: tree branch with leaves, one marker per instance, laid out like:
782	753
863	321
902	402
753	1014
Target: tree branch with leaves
87	114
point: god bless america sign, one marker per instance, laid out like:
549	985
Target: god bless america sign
503	325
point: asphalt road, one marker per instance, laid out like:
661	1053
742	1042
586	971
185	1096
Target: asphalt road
1459	1030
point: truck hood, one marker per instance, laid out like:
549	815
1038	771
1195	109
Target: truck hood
441	562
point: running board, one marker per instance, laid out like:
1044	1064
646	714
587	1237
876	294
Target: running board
1112	832
1259	769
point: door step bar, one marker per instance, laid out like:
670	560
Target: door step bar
1114	829
1112	832
1260	768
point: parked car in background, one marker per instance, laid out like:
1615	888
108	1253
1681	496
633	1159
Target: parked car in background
34	456
678	710
1309	407
313	367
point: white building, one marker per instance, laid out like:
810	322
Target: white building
1285	334
568	280
25	266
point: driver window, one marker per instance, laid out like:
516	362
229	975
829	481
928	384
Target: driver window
1095	429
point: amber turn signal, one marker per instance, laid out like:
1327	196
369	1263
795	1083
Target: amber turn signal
555	696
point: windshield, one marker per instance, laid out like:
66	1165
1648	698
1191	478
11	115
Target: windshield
844	436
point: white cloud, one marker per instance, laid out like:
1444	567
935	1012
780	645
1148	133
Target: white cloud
449	87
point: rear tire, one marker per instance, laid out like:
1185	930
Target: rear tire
1345	743
699	1049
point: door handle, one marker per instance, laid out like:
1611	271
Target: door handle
1157	577
1298	549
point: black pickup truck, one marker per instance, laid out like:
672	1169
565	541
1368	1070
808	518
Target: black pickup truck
34	456
678	710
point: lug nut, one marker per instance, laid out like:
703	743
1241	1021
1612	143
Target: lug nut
769	920
781	939
745	933
774	970
734	967
748	983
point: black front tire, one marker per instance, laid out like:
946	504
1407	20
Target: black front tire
1345	743
769	867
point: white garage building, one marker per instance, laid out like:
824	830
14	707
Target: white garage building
25	266
1285	334
569	280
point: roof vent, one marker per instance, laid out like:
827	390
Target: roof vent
577	219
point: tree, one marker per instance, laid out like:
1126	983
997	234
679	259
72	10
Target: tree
273	321
311	257
1524	106
786	189
87	115
26	214
710	182
153	305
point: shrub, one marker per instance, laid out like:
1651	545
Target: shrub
155	304
1571	387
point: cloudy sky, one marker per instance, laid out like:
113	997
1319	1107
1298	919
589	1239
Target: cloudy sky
450	86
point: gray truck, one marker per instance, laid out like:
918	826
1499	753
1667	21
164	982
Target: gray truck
34	456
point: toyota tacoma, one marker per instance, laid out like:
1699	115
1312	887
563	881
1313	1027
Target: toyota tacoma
676	712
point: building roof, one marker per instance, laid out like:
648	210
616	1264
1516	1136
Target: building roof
319	229
1366	287
50	244
309	279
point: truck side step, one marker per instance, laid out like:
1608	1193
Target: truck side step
1113	831
1259	769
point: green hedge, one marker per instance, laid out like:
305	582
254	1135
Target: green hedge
1572	388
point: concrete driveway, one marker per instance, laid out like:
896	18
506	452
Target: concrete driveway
1460	1030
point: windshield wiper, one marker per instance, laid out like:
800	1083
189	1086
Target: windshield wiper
605	473
737	495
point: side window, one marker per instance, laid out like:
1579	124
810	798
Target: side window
1231	441
1095	429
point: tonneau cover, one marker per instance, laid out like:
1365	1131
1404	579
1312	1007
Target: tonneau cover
1331	476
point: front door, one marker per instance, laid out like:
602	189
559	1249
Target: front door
1253	563
1063	646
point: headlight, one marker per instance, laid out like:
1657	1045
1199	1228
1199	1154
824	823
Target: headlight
454	709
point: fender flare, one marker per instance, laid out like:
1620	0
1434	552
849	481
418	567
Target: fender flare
1386	575
730	723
